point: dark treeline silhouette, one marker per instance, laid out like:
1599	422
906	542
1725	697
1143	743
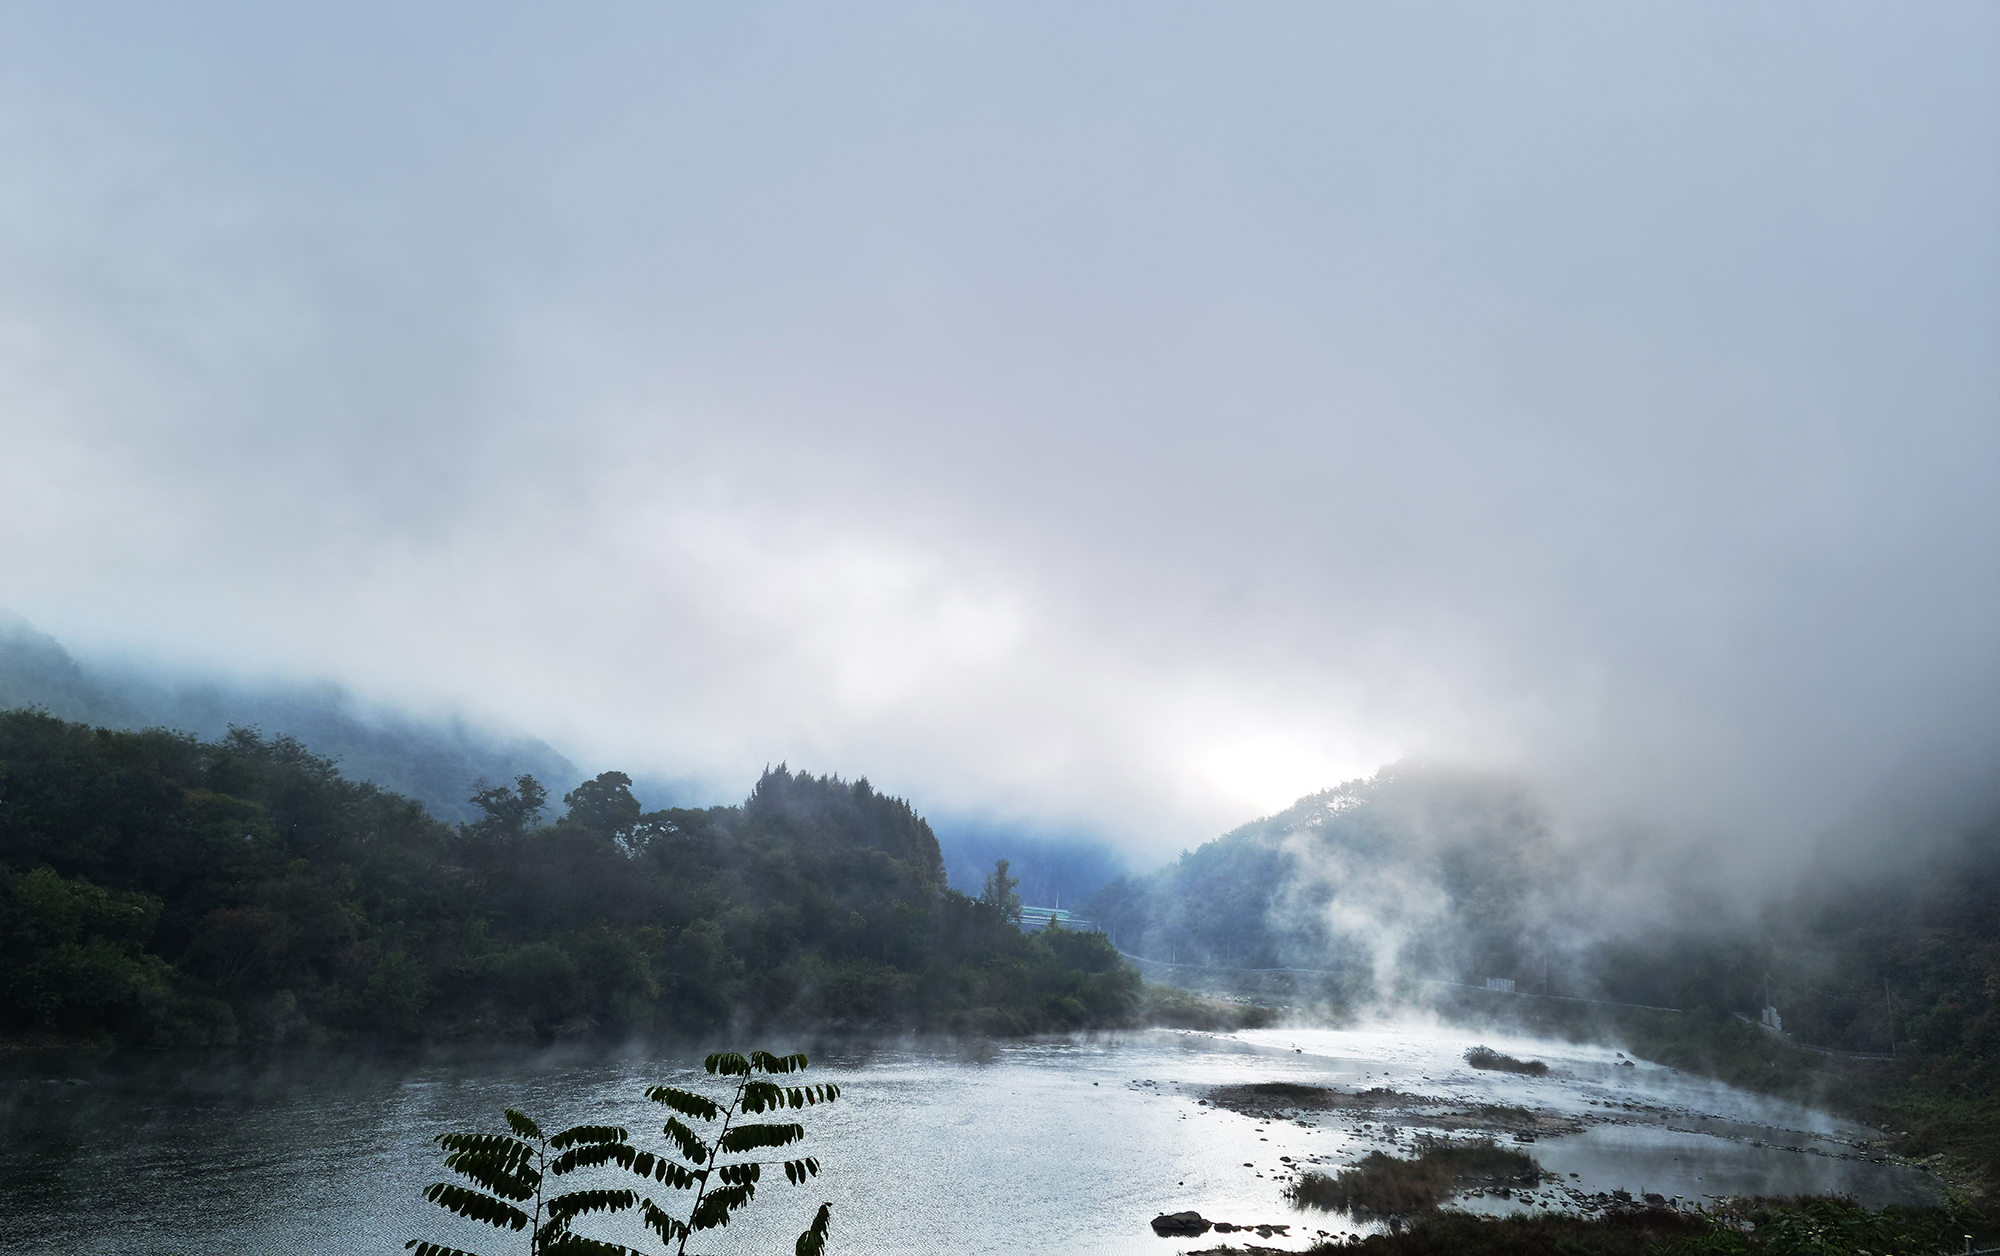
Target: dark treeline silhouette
167	890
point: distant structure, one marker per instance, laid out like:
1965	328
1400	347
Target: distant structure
1505	985
1770	1020
1034	919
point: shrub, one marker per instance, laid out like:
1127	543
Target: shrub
1488	1058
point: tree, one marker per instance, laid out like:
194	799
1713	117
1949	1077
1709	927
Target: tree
1000	893
723	1170
510	813
604	807
68	947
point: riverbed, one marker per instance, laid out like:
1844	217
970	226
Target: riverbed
1069	1145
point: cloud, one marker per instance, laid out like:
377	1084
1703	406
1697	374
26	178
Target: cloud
1133	419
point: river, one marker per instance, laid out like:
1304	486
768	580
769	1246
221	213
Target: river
1050	1146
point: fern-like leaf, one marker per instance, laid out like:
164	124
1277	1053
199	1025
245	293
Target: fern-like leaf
751	1137
765	1062
504	1176
487	1144
715	1207
661	1169
591	1156
797	1171
522	1125
421	1248
735	1174
813	1241
564	1207
691	1146
685	1102
669	1227
727	1064
577	1245
769	1096
582	1134
475	1206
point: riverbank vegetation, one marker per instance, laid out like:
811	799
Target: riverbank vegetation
1791	1227
1488	1058
1384	1184
161	890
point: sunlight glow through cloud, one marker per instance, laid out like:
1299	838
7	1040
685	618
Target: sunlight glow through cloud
1129	419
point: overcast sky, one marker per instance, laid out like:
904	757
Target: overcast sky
1119	417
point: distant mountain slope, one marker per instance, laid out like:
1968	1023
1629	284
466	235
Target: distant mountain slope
1418	873
1054	871
433	761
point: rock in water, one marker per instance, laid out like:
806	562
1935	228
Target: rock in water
1179	1224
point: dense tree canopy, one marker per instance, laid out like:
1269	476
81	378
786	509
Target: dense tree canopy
170	890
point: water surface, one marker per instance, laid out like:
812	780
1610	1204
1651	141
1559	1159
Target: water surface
1055	1146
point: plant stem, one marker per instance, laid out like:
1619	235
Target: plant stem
714	1157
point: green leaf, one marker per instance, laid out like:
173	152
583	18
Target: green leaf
505	1176
577	1134
797	1171
768	1096
493	1143
421	1248
522	1125
685	1102
736	1174
661	1169
475	1206
691	1146
591	1156
662	1223
715	1207
764	1061
576	1203
750	1137
813	1241
727	1064
577	1245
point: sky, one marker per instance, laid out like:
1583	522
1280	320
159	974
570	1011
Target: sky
1121	419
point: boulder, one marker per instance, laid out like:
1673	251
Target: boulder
1179	1225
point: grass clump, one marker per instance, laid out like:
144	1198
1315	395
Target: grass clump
1488	1058
1388	1184
1810	1226
1635	1233
1171	1007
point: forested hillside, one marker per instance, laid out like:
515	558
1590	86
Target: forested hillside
433	760
167	890
1422	876
1416	874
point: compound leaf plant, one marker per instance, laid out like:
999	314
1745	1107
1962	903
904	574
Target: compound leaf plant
512	1175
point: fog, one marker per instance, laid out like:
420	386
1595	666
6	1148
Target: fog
1120	421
